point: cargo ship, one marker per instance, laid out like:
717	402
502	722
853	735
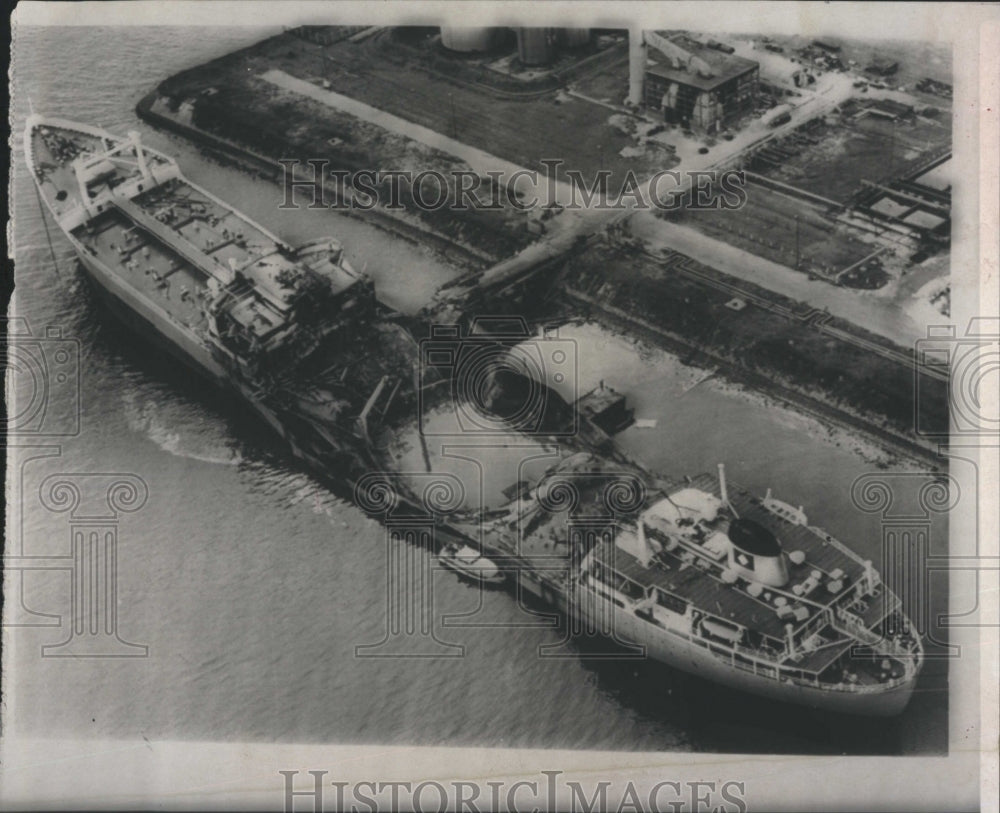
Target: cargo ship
295	331
697	573
705	576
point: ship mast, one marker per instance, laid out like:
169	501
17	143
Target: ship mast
723	492
83	165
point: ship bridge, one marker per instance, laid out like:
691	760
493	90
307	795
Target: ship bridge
259	291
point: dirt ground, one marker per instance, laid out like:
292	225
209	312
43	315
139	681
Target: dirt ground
766	226
849	150
916	59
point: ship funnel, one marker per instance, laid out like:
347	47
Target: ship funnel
756	553
722	484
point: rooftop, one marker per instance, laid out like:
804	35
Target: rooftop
726	66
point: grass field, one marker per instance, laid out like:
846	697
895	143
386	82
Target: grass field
525	131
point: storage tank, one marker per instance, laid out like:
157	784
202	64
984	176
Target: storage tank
536	46
575	37
468	40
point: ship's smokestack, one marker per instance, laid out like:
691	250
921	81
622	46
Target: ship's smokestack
722	483
636	66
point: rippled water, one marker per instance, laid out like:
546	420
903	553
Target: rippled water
252	584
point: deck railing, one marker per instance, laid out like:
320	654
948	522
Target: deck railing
767	666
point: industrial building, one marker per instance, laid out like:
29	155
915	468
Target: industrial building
695	86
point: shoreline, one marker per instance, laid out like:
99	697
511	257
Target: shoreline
692	375
269	169
756	385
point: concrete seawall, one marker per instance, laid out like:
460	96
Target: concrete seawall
795	398
273	170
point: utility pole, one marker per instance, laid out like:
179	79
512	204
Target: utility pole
892	148
796	241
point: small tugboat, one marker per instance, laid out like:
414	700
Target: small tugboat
470	563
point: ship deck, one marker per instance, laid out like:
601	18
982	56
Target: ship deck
694	578
170	240
55	148
167	241
698	579
156	273
710	594
53	153
821	554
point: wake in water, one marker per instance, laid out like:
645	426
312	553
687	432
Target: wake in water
180	429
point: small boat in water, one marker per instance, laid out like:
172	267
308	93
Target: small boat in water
469	562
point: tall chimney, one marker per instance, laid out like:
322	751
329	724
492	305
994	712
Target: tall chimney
636	66
722	483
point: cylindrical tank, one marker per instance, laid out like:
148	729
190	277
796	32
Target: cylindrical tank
536	46
468	40
575	37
